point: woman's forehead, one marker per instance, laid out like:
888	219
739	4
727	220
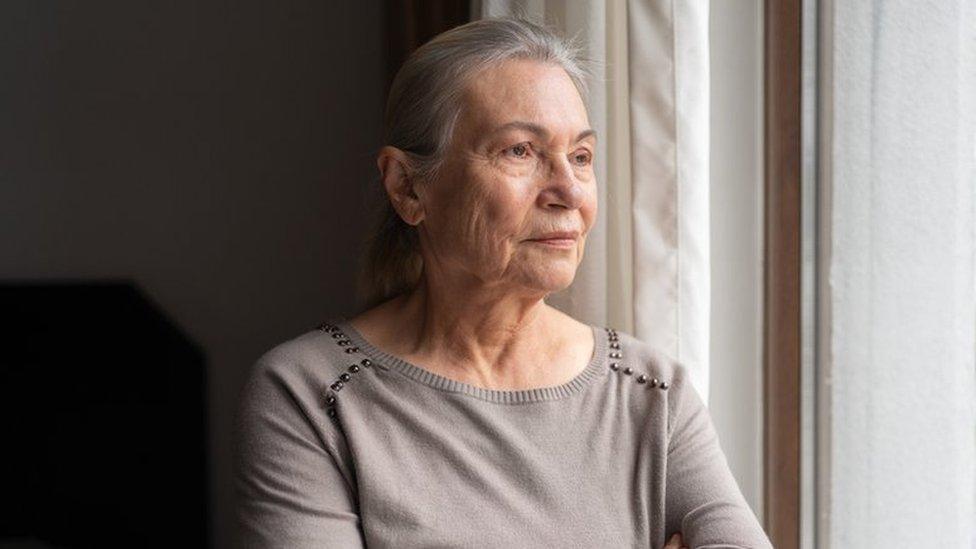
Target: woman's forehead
524	95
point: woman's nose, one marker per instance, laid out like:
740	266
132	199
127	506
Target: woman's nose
562	187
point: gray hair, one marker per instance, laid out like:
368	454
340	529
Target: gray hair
422	109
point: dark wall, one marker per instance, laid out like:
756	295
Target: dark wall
219	153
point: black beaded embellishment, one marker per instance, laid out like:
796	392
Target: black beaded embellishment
617	355
342	340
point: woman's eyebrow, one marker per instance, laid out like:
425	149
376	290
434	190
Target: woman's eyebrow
538	130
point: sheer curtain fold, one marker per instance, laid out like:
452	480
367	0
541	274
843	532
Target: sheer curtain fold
646	269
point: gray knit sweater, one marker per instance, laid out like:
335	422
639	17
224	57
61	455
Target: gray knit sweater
340	444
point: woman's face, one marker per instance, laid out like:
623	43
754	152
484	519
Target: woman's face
520	166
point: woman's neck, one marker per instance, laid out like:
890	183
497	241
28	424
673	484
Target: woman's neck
489	343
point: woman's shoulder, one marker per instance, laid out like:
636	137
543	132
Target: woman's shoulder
308	358
670	376
663	365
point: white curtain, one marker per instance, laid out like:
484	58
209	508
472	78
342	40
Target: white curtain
646	269
899	111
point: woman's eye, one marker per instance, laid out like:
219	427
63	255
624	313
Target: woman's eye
582	158
519	151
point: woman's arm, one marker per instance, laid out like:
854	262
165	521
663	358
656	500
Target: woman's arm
291	491
702	499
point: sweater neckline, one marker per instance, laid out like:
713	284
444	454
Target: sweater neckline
594	369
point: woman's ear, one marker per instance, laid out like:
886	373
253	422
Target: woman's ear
401	187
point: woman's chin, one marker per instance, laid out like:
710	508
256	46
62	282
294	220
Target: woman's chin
551	283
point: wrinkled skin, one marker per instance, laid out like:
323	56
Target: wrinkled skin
496	189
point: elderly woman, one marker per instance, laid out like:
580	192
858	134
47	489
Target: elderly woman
459	409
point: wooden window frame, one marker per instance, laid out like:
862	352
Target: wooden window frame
782	329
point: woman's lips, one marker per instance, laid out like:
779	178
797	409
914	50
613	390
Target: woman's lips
556	242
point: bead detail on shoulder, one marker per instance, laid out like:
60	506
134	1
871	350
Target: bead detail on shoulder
342	340
617	355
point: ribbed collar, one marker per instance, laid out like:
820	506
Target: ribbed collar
595	368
